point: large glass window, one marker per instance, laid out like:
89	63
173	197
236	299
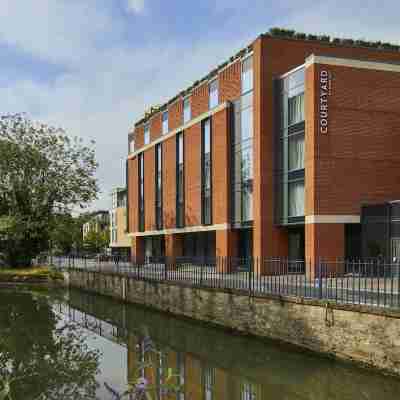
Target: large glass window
165	127
206	160
296	151
141	191
147	134
180	181
296	109
158	185
247	74
187	112
291	152
296	199
213	94
243	149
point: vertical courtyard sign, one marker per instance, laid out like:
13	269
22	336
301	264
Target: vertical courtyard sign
325	88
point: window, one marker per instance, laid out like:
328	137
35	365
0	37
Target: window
243	159
158	186
213	100
206	177
290	173
165	122
296	109
247	74
141	191
132	146
180	181
246	120
187	112
296	199
147	134
247	184
296	152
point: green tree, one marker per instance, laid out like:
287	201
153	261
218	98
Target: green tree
66	234
43	172
97	240
49	360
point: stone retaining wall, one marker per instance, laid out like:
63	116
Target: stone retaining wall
369	336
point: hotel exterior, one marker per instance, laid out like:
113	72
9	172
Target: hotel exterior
279	152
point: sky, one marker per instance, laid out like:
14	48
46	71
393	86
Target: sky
93	66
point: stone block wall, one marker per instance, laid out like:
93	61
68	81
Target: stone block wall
361	334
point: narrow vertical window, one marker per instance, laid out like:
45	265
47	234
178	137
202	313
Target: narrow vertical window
247	74
132	146
187	112
180	181
165	127
206	171
213	99
141	191
158	186
147	134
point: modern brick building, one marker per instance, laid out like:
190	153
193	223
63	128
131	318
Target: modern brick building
272	154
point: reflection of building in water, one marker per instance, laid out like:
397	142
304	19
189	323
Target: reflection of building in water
198	379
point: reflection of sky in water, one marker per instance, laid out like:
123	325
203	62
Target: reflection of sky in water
215	365
113	360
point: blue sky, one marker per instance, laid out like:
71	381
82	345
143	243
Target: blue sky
93	66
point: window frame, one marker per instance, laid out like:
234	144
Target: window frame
164	130
141	193
203	170
180	212
210	91
158	190
243	61
187	100
146	134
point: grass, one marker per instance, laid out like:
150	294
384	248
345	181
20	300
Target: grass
35	274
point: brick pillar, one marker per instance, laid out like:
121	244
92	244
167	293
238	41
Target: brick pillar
226	247
173	246
324	242
137	249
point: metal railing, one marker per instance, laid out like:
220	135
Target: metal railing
371	282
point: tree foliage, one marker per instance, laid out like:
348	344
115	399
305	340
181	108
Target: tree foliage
43	172
66	234
96	240
42	356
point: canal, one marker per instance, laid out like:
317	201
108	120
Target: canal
73	345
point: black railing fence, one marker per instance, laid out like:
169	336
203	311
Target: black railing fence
368	282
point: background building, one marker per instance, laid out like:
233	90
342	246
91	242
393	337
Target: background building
120	242
272	154
96	232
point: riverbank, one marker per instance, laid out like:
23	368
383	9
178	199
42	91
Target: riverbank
36	275
360	334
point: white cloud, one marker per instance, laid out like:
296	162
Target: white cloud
135	6
106	88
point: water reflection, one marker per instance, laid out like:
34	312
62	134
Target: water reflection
213	365
41	356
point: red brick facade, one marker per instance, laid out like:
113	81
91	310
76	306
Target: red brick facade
357	162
